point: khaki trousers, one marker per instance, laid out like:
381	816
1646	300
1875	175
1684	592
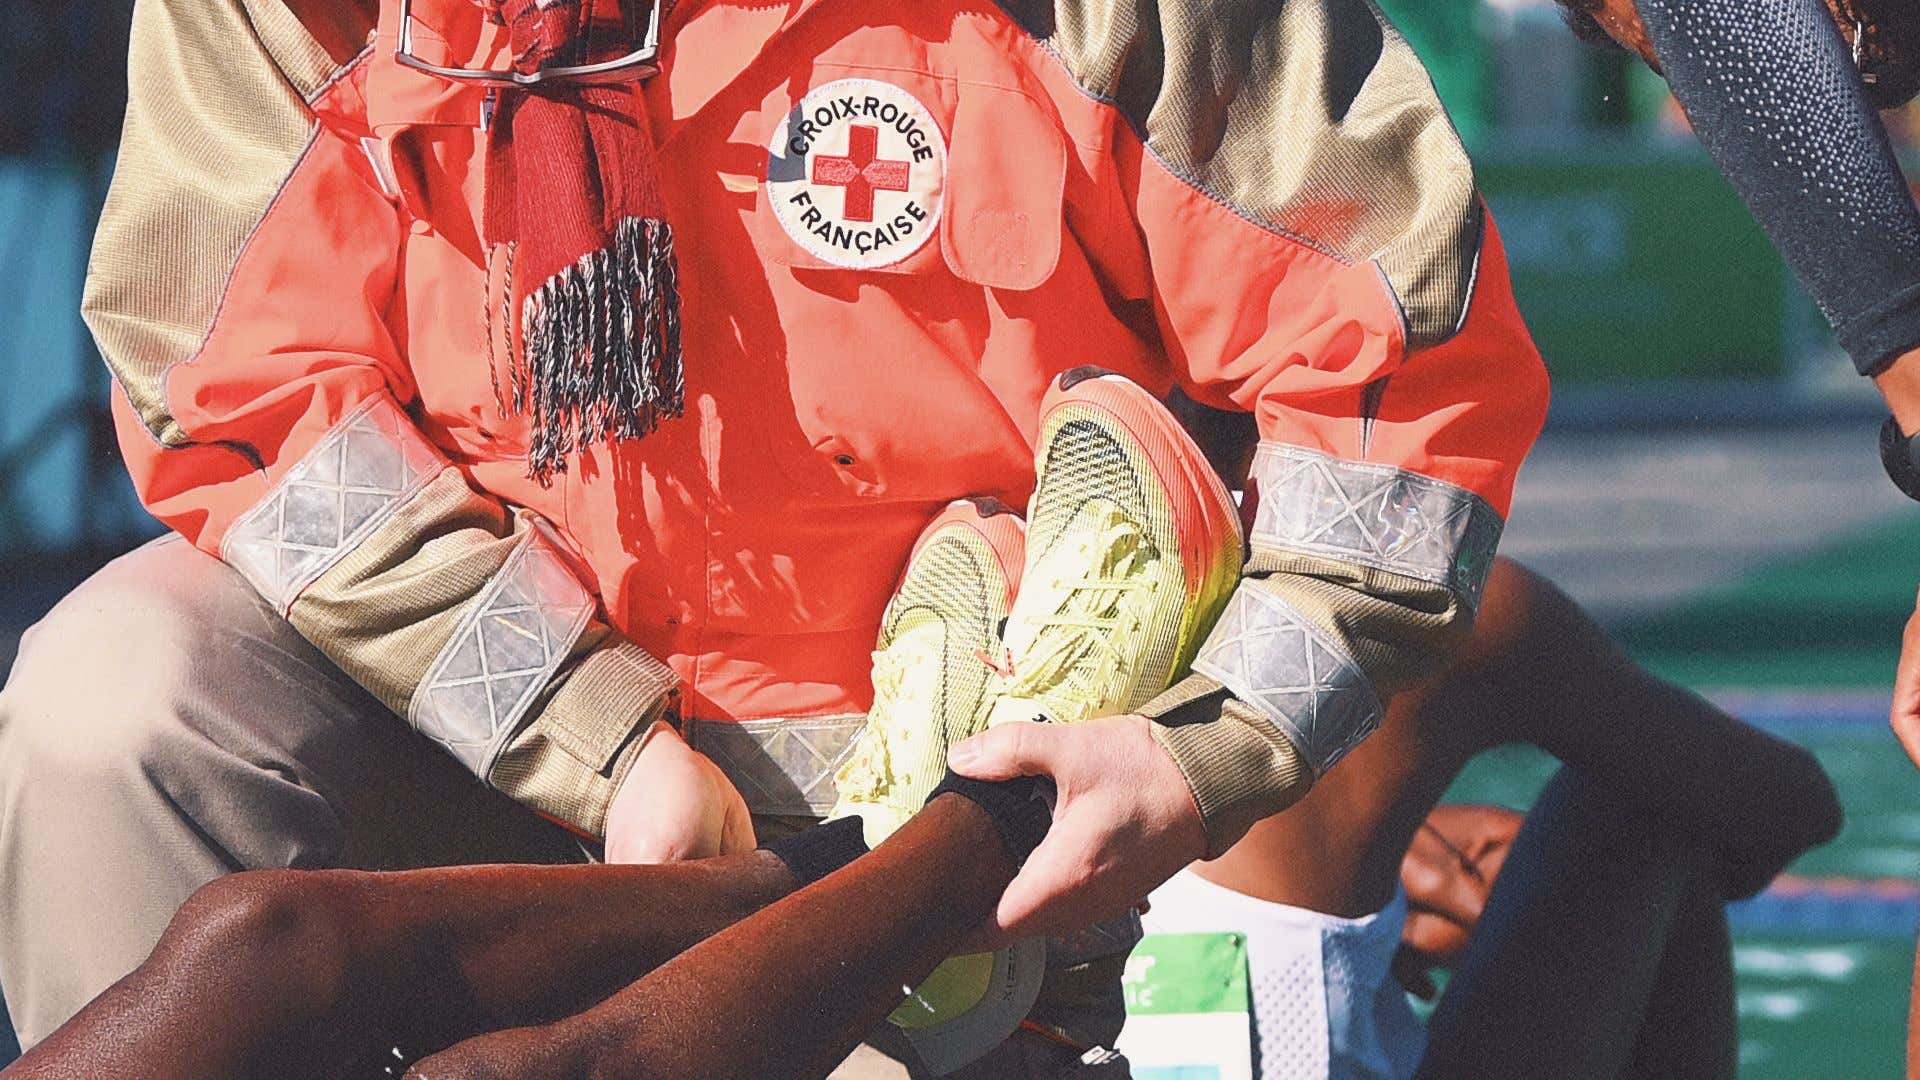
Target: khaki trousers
164	726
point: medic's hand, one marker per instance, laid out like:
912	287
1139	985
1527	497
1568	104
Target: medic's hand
1906	690
675	804
1448	873
1125	821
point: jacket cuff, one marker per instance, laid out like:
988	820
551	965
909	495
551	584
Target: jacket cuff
1239	766
568	762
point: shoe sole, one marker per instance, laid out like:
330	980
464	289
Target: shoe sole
1019	971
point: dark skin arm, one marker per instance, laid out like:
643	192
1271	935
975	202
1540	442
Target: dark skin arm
788	992
1538	670
290	974
1755	800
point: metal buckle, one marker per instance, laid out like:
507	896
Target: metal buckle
633	67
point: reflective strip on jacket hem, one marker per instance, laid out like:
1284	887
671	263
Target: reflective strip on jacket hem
331	500
1374	515
780	766
1274	659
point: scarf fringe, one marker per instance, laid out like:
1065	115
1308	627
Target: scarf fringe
600	348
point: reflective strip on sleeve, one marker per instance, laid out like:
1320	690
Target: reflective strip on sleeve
781	766
1374	515
353	480
1277	661
503	653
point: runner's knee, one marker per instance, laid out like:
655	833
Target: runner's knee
281	934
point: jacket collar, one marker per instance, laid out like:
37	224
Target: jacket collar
451	32
456	33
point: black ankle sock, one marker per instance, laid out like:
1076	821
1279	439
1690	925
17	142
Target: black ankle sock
816	852
1019	808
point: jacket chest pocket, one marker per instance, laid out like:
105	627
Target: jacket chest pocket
897	202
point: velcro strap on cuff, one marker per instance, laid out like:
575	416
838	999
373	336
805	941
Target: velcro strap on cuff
614	692
568	762
1238	765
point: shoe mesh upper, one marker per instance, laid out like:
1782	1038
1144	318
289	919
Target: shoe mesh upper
1088	474
929	675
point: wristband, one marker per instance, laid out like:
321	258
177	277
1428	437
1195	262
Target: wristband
813	853
1021	809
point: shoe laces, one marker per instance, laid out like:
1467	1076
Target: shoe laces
1085	637
868	773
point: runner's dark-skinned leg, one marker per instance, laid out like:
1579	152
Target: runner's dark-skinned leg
787	992
1691	1027
1606	915
291	973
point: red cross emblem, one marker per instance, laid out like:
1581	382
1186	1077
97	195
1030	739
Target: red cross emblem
860	172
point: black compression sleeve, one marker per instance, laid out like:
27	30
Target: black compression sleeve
1772	90
1019	808
816	852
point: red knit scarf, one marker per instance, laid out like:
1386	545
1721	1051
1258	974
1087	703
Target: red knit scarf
573	194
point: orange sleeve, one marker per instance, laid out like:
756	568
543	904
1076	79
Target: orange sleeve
1317	254
1320	347
299	342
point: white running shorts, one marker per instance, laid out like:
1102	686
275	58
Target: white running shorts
1325	1002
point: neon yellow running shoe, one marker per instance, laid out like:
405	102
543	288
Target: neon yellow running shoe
1133	547
930	668
930	677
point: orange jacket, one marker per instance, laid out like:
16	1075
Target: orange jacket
1263	204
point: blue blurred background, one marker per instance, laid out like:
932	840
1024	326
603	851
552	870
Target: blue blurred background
1707	484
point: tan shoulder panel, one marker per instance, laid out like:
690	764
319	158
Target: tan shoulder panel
217	118
1312	118
295	36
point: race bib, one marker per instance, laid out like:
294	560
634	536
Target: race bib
1188	1008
